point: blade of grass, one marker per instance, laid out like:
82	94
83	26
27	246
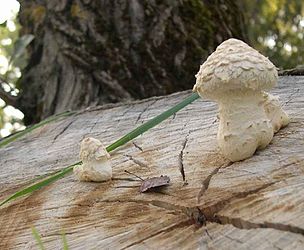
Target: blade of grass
152	123
39	184
37	238
17	135
123	140
64	241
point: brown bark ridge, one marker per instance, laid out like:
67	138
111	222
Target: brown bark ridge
94	52
257	203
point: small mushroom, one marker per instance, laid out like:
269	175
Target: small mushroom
96	165
274	112
236	76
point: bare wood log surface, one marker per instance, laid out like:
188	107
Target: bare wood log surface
254	204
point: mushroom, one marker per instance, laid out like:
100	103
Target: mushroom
95	162
236	76
274	112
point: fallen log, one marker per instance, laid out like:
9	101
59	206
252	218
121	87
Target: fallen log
257	203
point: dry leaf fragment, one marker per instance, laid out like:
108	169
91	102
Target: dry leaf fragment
154	182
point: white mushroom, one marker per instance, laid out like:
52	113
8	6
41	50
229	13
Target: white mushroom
235	76
95	162
274	112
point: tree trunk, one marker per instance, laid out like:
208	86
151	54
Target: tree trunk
257	203
94	52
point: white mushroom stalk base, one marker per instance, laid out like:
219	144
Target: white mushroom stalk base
244	126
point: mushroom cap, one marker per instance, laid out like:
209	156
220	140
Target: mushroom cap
92	149
235	66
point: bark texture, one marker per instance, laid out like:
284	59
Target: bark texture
95	52
257	203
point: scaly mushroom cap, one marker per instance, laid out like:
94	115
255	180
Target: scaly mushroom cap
92	149
234	66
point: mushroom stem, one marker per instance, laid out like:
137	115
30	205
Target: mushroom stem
244	126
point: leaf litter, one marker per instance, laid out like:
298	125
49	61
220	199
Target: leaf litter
150	184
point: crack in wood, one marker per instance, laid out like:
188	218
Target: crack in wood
63	130
200	216
206	181
93	126
181	158
196	215
290	98
245	224
144	110
99	118
122	116
136	146
216	119
165	230
256	175
286	165
212	210
137	162
211	214
233	239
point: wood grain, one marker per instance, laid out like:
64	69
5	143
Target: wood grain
254	204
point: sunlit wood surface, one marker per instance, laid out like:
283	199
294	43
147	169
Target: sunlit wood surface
254	204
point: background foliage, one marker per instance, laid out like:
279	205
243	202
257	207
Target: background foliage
10	68
274	27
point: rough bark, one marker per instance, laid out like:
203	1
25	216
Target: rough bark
94	52
254	204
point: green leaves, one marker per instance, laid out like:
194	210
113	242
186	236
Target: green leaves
275	29
125	139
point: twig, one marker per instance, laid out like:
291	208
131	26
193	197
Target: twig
126	171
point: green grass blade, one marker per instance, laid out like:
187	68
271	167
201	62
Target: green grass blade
37	238
151	123
17	135
64	241
40	184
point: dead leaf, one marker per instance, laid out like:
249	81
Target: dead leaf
154	182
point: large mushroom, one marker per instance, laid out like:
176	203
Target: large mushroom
236	76
95	162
